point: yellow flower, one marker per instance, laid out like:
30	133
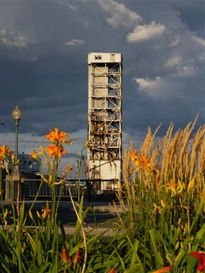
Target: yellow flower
86	143
13	159
42	151
175	189
163	203
136	163
50	179
159	208
5	213
34	155
180	187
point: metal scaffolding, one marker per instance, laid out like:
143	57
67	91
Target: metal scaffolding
105	117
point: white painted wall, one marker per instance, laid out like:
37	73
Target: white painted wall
101	57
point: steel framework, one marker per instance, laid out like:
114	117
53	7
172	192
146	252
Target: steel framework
105	117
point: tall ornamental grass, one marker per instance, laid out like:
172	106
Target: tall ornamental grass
161	226
162	195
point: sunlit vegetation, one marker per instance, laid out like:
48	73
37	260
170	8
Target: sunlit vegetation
161	226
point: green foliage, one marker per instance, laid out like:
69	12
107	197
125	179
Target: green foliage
161	224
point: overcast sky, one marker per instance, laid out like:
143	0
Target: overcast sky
43	62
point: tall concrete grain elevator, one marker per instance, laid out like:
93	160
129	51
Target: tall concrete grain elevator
105	119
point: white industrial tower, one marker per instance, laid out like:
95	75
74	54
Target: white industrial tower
105	118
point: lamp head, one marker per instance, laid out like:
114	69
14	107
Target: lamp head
16	114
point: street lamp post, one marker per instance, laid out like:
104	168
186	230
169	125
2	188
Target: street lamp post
16	115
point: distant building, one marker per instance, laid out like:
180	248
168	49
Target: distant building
105	118
28	164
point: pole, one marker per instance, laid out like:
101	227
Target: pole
17	173
16	115
16	149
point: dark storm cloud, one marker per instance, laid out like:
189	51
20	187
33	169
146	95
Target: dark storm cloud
48	85
43	60
192	14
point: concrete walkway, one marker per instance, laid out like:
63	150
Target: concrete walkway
97	221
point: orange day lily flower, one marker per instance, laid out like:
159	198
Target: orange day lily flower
163	269
68	168
77	258
45	212
55	151
4	150
133	155
171	186
145	161
57	136
139	160
65	256
112	270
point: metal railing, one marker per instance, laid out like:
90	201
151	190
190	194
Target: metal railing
30	188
